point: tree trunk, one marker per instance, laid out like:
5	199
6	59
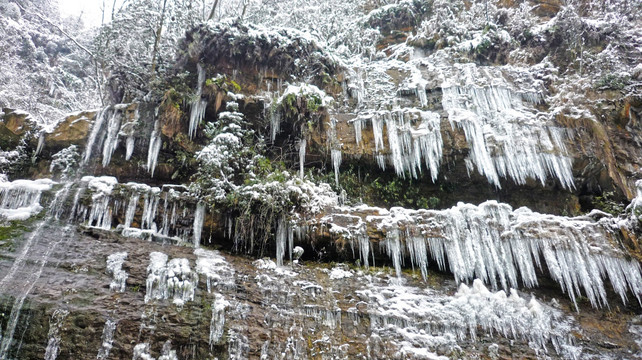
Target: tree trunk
245	2
159	30
213	10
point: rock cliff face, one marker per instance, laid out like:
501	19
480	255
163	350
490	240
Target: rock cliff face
457	179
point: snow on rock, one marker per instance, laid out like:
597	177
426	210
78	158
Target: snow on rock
340	273
306	91
267	264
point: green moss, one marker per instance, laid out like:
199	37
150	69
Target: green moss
612	82
607	203
223	83
14	230
382	189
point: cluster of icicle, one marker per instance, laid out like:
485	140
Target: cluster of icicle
110	125
115	269
162	208
20	199
414	139
143	352
413	320
500	246
426	319
173	279
508	136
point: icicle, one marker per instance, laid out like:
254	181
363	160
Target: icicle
131	141
217	323
107	340
111	140
41	143
198	106
358	124
393	249
131	209
377	131
199	218
155	143
275	124
421	94
409	145
506	248
281	239
336	163
53	345
506	137
156	284
149	209
114	267
95	131
364	249
302	145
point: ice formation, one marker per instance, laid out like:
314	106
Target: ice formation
156	284
142	352
198	105
215	269
53	344
110	143
20	199
100	214
105	133
302	145
414	139
158	219
199	217
217	323
173	279
107	339
93	135
115	268
336	163
424	319
503	247
155	144
508	136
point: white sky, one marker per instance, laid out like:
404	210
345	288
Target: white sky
91	9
